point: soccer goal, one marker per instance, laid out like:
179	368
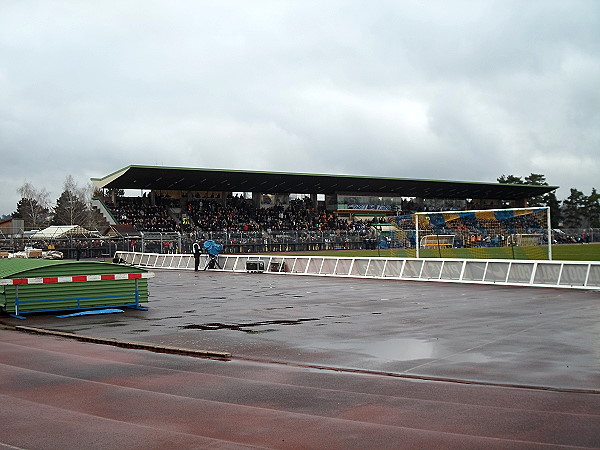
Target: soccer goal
518	233
525	240
437	240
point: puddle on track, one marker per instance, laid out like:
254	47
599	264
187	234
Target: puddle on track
398	349
407	349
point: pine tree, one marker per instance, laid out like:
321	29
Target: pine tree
550	200
555	211
509	179
69	210
536	179
71	207
573	209
592	209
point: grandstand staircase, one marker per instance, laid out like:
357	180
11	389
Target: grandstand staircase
176	214
100	206
98	219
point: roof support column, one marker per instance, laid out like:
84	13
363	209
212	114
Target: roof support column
419	203
330	202
256	199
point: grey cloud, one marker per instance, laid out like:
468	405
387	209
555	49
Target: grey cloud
453	90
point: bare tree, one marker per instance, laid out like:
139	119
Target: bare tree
34	206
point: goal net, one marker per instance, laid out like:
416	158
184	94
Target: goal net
518	233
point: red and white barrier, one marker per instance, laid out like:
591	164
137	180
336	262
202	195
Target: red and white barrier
75	278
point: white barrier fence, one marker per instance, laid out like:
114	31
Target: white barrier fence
560	274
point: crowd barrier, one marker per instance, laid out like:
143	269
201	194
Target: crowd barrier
559	274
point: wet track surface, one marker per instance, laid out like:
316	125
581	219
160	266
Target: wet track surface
317	363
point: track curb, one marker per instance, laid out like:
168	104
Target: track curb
128	344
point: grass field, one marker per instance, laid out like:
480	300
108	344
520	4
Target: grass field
575	252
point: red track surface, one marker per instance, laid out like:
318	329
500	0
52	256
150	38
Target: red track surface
58	393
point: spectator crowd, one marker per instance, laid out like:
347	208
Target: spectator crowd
232	214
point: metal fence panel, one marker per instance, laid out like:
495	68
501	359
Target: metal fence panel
575	275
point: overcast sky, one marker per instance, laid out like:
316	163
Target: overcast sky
454	90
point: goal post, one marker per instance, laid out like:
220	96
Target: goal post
517	233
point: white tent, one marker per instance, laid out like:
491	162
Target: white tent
64	231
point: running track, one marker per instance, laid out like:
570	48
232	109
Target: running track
61	394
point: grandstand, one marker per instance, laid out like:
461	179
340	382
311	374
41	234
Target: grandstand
201	202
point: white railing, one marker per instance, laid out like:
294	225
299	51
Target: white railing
559	274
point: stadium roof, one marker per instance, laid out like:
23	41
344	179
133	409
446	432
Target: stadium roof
198	179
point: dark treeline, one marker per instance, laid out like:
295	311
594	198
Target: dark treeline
576	211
